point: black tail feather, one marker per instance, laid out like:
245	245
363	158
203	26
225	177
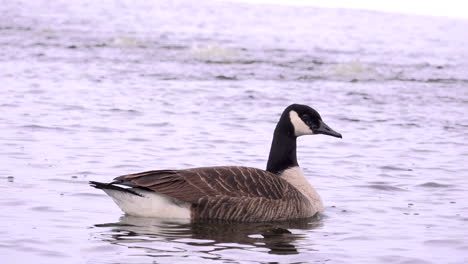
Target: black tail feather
110	186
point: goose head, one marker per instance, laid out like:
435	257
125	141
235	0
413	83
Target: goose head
304	120
297	120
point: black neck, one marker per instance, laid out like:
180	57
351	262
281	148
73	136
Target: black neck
283	147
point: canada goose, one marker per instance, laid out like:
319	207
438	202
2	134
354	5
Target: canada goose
280	192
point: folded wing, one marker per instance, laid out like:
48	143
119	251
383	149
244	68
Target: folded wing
230	193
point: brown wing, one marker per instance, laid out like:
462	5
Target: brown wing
192	184
229	193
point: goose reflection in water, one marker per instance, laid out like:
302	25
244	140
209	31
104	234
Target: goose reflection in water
275	236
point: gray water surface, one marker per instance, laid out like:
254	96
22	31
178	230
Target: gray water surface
95	89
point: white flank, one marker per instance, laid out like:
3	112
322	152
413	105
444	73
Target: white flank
300	128
151	204
296	178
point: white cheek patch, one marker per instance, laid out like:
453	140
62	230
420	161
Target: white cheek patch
300	128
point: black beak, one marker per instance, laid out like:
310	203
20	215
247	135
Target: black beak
326	130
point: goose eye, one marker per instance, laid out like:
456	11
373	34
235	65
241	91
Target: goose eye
307	119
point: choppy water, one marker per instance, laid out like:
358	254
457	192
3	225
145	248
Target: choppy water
95	89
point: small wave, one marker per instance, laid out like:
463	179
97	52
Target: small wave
336	51
135	139
161	124
46	209
73	107
434	185
214	53
226	78
126	111
423	150
35	127
443	242
305	78
352	71
394	168
86	173
99	45
173	47
8	105
407	125
433	80
249	61
99	129
13	203
358	238
357	93
349	119
382	187
17	28
123	166
36	91
125	42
